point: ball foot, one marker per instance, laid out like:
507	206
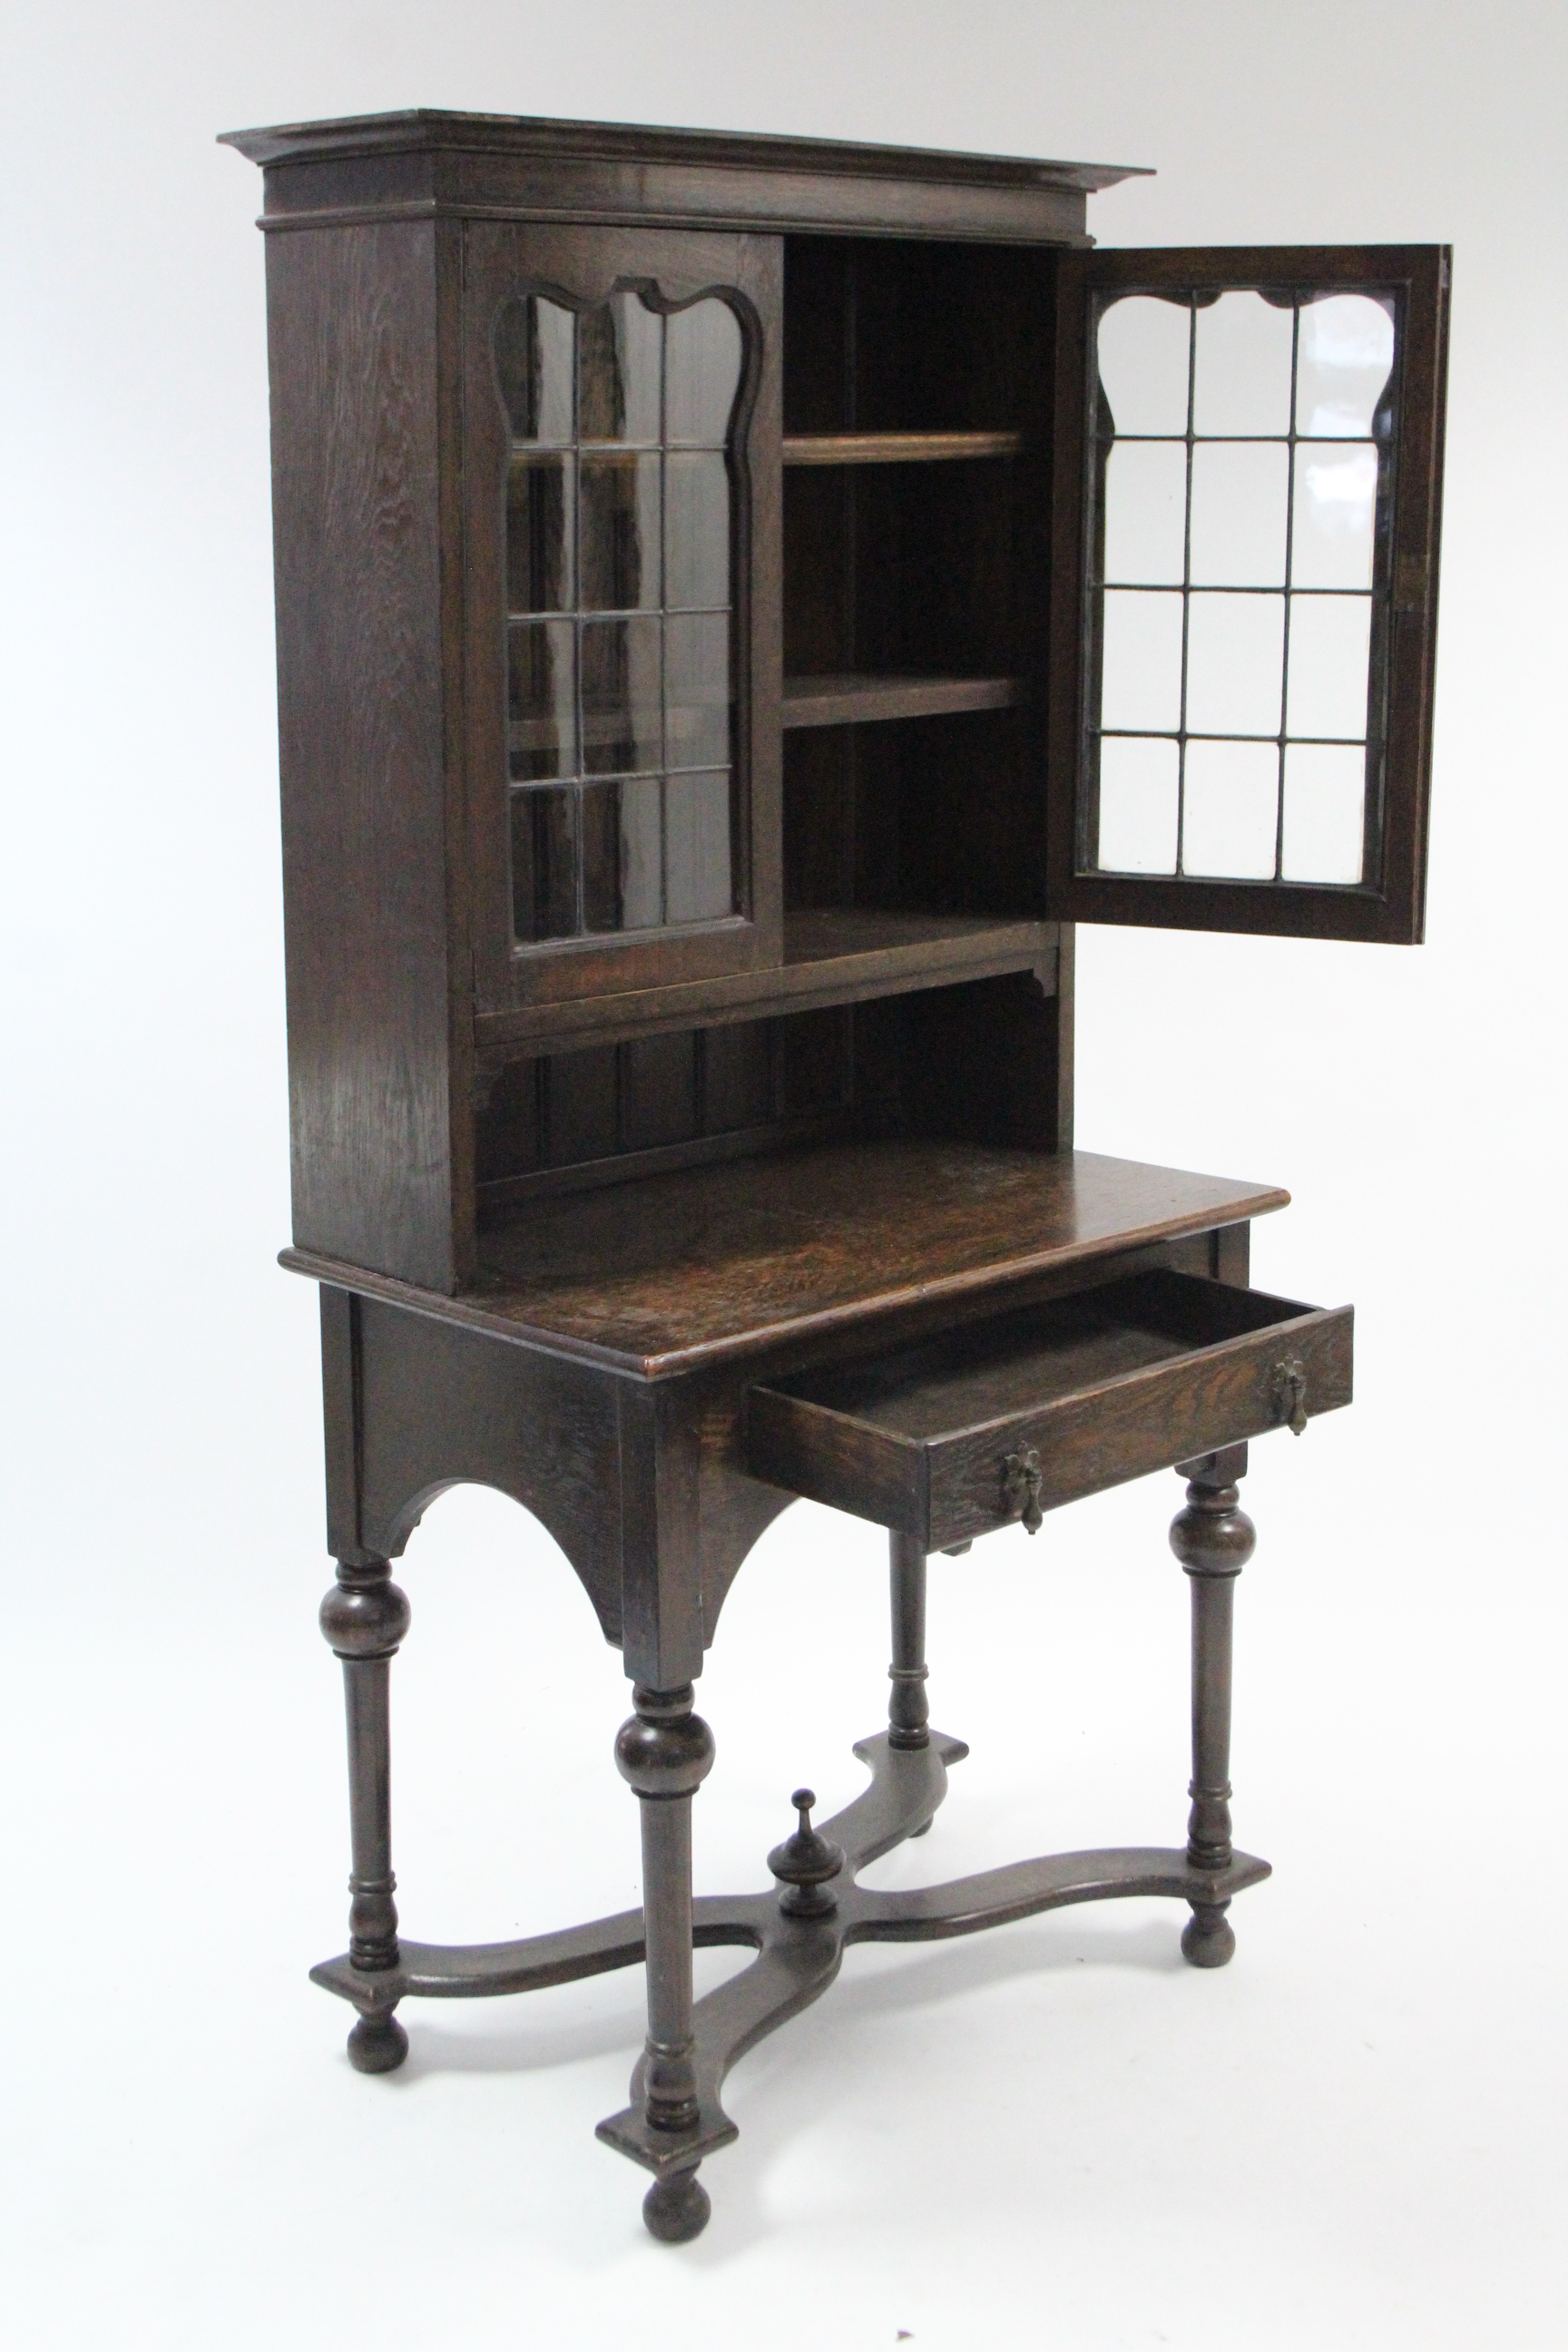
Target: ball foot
1208	1940
377	2046
676	2209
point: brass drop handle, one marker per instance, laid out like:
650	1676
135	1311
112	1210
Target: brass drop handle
1290	1395
1021	1487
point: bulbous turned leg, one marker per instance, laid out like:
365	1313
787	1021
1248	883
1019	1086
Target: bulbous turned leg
665	1753
1214	1539
366	1617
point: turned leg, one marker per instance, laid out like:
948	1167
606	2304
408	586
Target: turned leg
907	1713
1213	1538
366	1617
665	1751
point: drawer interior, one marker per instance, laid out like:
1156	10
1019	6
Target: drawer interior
1036	1356
949	1437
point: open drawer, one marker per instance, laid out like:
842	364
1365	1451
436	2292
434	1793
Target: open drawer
1000	1419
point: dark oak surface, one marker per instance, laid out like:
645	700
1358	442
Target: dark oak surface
382	1143
426	161
715	1262
542	134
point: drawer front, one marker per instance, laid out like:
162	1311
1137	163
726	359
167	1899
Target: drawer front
1145	1420
945	1485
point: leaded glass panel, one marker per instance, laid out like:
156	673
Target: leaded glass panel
620	529
1242	502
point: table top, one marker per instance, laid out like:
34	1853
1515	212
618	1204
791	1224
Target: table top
668	1273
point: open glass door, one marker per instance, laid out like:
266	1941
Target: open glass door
1247	490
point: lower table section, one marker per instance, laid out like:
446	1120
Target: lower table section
1023	1395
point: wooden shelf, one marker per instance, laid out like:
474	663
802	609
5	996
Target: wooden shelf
819	936
896	449
831	956
705	1265
853	698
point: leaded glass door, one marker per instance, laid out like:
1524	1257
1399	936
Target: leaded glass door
1249	469
620	459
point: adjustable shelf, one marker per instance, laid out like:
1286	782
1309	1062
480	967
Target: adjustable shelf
850	699
896	449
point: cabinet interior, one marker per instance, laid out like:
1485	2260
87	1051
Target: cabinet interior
916	419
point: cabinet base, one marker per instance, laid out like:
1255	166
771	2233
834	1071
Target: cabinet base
796	1958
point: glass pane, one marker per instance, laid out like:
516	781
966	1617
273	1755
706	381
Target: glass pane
1230	810
541	699
642	845
1345	360
1240	501
543	873
697	659
1336	499
620	363
620	534
697	525
1241	368
698	875
1142	347
621	697
1325	812
1142	668
1138	801
703	363
1145	510
1329	647
533	362
1235	663
539	535
621	830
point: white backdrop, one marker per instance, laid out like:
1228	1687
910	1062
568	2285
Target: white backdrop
1053	2137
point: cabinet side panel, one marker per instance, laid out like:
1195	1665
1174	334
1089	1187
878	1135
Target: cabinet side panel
352	335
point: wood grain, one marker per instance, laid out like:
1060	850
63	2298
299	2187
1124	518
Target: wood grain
716	1263
522	168
362	750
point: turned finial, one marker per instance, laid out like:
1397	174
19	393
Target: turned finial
806	1862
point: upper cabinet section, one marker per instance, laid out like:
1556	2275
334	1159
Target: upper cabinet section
1249	466
724	582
